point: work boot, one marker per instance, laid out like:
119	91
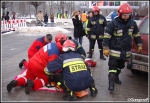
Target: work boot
69	97
12	84
117	81
90	54
102	57
93	90
111	77
21	63
29	85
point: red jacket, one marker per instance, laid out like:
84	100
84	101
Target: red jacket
36	45
46	54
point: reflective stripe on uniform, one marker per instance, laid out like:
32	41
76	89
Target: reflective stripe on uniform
106	35
78	46
100	36
128	54
93	36
118	34
58	83
117	53
72	61
86	23
114	54
119	31
87	29
93	22
47	72
130	31
75	65
114	51
101	21
136	35
114	71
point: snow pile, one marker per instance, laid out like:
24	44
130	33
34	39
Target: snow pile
43	30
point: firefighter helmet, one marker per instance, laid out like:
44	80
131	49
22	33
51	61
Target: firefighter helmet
69	45
95	8
60	37
124	8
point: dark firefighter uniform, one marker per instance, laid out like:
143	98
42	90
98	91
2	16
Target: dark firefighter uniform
95	28
118	39
74	71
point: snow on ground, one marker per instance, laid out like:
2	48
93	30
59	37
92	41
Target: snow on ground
31	31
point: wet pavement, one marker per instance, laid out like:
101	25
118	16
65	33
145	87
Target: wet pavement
14	48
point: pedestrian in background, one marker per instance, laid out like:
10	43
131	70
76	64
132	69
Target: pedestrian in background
13	15
52	19
59	15
7	16
83	19
45	18
78	27
135	15
3	16
40	18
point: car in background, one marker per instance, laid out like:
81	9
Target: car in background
108	17
139	61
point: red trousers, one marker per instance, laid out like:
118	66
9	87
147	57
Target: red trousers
36	74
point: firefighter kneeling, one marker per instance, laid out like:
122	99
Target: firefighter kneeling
75	76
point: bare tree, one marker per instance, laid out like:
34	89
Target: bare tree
11	6
4	6
44	6
36	5
62	6
51	6
22	8
68	7
29	4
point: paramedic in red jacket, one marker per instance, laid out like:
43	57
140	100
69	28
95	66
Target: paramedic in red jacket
37	63
36	45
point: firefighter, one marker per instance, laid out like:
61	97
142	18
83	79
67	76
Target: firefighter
117	42
75	75
35	46
95	27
